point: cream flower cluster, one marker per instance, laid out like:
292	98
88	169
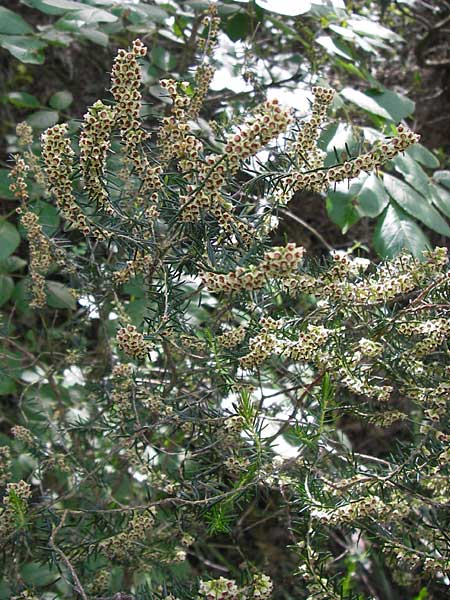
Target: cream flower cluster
58	159
132	342
142	263
232	338
370	506
219	589
279	262
126	82
308	342
95	143
119	546
320	179
40	257
305	144
203	78
270	120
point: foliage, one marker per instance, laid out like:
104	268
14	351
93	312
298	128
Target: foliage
179	390
279	48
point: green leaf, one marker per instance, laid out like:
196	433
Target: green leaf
440	198
365	102
42	119
94	15
6	288
7	387
238	27
341	209
423	155
12	24
9	239
371	197
95	36
372	29
26	49
442	177
415	204
413	173
23	100
290	8
387	104
61	100
162	58
335	47
11	264
5	182
397	106
60	296
64	4
396	231
21	296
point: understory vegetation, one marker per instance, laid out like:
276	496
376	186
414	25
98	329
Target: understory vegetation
225	296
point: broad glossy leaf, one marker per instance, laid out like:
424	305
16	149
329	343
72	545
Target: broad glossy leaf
42	119
365	102
396	231
13	24
60	296
413	173
372	28
290	8
440	197
11	264
415	204
48	216
371	197
341	210
396	105
61	100
335	47
64	4
6	288
94	15
95	36
423	155
442	177
26	49
23	100
9	239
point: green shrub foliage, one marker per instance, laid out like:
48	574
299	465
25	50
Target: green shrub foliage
184	393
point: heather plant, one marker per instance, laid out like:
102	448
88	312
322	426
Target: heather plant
199	443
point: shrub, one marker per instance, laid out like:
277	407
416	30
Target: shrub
195	391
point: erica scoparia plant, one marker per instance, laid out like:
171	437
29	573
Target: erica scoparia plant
188	427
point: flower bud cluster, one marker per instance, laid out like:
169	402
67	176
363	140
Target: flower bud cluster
20	490
270	120
262	345
125	84
120	546
95	143
435	331
369	506
122	378
24	134
132	342
5	464
40	257
24	435
219	589
19	185
321	178
142	263
232	338
212	22
279	262
58	159
262	587
387	418
305	144
308	342
203	78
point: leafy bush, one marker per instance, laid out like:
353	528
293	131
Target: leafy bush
182	394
